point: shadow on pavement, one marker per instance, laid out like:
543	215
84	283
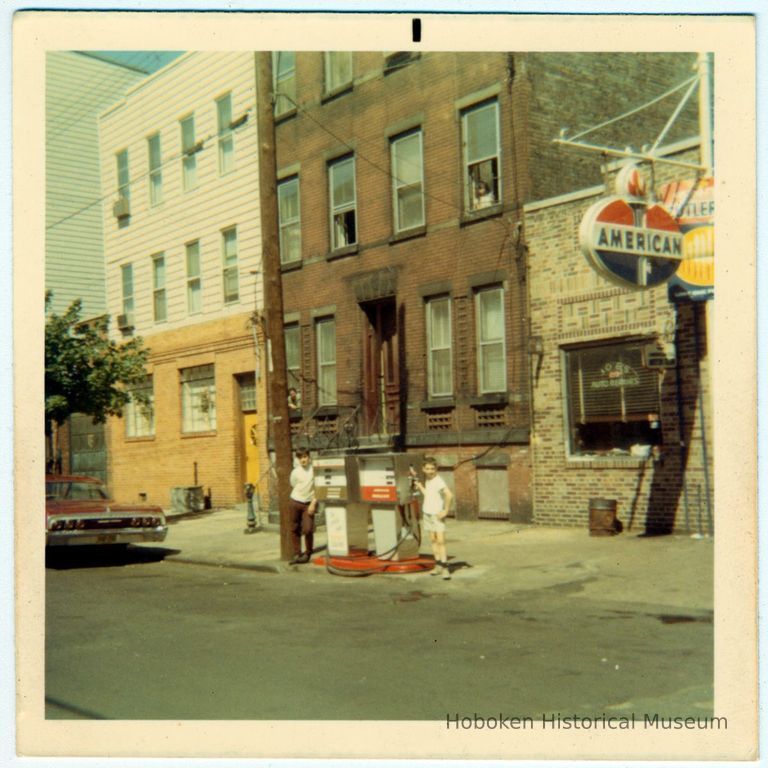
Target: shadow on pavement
63	558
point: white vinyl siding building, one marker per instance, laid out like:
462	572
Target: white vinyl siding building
77	88
189	86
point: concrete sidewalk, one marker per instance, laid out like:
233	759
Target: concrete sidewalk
492	556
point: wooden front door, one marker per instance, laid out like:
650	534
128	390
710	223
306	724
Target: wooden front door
381	377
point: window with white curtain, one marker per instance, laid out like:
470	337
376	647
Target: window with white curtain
341	176
194	281
284	81
326	361
229	274
226	140
139	412
198	399
338	70
289	215
439	347
407	181
491	343
482	156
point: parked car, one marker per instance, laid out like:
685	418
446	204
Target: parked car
78	510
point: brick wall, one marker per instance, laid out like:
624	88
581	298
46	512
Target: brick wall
154	465
571	304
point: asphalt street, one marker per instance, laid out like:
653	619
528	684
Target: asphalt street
139	635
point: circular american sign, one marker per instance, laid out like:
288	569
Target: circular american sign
631	244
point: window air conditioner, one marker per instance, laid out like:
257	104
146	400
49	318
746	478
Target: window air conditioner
122	208
124	323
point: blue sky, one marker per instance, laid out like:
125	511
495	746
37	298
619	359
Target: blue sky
149	61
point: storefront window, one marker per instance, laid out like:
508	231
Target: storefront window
612	400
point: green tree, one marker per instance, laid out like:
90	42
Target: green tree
85	372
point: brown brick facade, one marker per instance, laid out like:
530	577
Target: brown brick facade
452	255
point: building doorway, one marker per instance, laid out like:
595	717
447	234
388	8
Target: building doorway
250	432
381	368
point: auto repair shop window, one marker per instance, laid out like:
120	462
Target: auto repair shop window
612	401
482	156
198	399
341	177
140	410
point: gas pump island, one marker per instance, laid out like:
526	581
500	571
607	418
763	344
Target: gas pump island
377	488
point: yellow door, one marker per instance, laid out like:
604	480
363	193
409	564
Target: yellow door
251	448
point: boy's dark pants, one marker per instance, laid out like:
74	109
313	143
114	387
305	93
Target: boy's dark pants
301	523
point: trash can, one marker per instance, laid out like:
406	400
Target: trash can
187	499
602	517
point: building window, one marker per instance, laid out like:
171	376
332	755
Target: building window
198	399
408	181
155	170
126	272
284	77
439	347
480	145
140	410
612	401
189	151
158	288
226	135
123	175
396	60
338	70
194	283
491	352
326	361
247	386
290	220
343	205
229	269
293	356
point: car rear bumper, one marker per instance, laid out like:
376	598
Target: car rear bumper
122	536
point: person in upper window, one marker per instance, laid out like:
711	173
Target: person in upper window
482	195
294	400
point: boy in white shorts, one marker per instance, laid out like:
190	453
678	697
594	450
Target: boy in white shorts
437	498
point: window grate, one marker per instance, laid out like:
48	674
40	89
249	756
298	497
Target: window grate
440	421
491	417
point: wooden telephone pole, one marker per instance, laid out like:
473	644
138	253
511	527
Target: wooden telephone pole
277	378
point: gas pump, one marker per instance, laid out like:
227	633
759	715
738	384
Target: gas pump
346	519
358	488
386	483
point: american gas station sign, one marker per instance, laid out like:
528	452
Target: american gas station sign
631	243
636	243
692	203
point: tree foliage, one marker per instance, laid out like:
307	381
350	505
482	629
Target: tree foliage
85	372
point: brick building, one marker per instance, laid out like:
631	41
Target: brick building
403	181
608	423
182	241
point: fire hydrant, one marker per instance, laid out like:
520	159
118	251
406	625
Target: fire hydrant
250	489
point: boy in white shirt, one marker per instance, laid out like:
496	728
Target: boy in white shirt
437	498
302	505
